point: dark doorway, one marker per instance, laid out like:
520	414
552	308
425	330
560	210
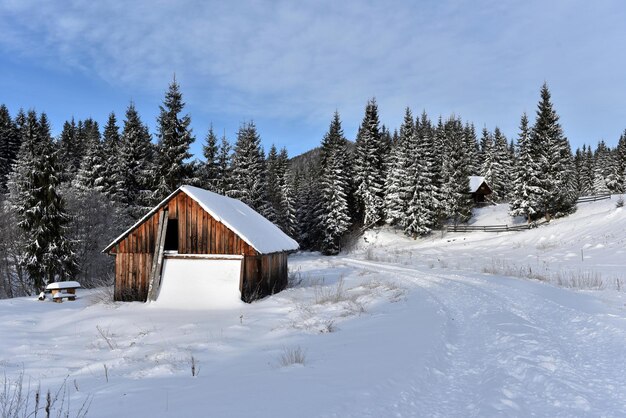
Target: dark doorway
171	235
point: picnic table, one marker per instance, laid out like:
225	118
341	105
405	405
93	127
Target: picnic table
63	290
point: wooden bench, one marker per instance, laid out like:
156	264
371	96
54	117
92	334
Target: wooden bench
63	290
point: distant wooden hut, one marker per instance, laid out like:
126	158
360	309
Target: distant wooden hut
213	238
479	189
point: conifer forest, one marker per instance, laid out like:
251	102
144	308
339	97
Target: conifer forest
64	198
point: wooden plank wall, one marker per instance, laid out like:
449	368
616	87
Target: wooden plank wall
198	233
263	275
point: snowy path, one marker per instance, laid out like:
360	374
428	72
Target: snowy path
512	348
428	342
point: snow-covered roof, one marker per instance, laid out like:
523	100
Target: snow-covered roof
249	225
475	182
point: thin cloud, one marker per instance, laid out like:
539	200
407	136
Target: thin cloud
303	60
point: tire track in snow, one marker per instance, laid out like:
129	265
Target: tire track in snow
510	354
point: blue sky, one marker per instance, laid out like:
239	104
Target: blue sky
288	65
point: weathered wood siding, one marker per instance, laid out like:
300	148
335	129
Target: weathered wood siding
198	233
263	275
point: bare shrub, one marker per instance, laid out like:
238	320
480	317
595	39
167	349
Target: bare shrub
15	398
294	278
293	355
579	279
582	279
620	202
328	327
107	336
195	367
102	295
330	294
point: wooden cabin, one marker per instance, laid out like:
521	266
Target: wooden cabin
479	189
205	239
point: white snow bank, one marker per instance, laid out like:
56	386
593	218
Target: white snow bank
200	283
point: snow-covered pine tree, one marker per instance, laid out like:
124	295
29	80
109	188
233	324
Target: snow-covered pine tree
399	177
369	170
613	179
502	167
273	180
471	145
487	155
47	252
70	148
174	138
333	214
440	173
554	158
110	151
307	197
456	197
421	210
224	166
287	209
578	167
9	145
602	168
621	162
134	169
91	175
526	193
209	171
248	168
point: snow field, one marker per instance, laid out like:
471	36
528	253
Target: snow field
586	250
397	327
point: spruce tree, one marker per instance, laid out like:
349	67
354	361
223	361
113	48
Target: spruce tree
9	145
47	252
134	171
70	148
287	208
209	175
110	151
487	156
175	137
526	192
471	145
369	170
91	173
420	217
455	187
273	181
578	166
333	215
502	167
621	162
248	168
224	166
307	202
587	173
602	169
555	162
398	172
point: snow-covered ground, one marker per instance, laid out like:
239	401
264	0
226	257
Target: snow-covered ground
477	324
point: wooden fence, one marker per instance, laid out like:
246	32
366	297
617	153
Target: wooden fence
586	199
488	228
521	227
